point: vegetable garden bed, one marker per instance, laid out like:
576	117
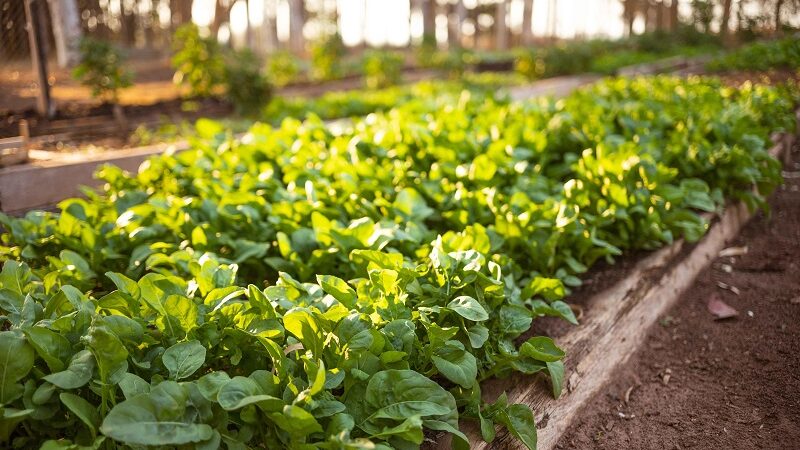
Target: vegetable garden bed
618	318
313	288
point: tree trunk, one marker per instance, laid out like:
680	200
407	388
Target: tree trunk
296	22
527	19
628	15
778	8
500	27
428	20
128	21
673	15
659	15
270	30
180	12
221	15
726	18
461	17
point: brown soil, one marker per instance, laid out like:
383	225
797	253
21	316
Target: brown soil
700	383
772	77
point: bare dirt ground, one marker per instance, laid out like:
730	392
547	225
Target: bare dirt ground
698	382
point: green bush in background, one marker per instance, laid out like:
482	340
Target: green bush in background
326	55
246	87
198	61
101	69
382	68
282	68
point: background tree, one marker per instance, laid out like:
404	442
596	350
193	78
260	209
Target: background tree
527	19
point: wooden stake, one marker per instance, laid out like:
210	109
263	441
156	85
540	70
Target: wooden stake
44	103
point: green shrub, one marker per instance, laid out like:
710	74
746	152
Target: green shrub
198	61
382	68
245	86
326	56
101	69
282	68
765	55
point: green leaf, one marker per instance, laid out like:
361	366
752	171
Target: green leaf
556	370
468	308
133	385
456	364
242	391
82	409
16	360
156	418
520	422
296	421
9	418
183	359
478	335
339	289
125	284
77	374
394	397
564	311
541	348
109	352
411	204
53	348
303	325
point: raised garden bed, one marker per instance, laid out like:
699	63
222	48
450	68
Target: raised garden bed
617	318
406	295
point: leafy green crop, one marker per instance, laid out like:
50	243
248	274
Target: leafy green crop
350	287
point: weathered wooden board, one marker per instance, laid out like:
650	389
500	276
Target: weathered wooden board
45	183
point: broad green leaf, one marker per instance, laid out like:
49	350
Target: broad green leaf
556	370
82	409
541	348
398	396
183	359
296	421
520	422
478	335
156	418
242	391
16	360
303	325
53	348
468	308
77	374
456	364
339	289
133	385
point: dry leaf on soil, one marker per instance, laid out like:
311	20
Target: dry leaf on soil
720	309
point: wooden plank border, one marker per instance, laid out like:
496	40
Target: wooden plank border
615	323
42	184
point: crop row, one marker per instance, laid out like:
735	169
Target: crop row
349	287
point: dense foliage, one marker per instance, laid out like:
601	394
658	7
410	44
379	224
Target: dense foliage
246	87
382	68
101	69
282	68
198	61
763	55
326	58
309	287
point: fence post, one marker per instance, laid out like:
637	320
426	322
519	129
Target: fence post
38	59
